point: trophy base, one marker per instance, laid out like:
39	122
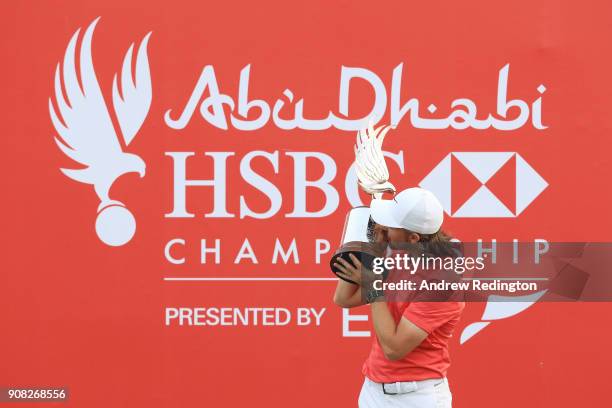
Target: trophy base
364	251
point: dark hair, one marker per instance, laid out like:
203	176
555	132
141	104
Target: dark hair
437	244
370	232
440	244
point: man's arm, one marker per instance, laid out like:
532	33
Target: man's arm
347	294
396	340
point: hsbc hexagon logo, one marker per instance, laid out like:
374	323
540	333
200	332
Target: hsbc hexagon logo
484	184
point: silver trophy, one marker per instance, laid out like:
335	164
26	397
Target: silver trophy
373	177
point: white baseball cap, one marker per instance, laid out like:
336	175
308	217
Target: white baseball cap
414	209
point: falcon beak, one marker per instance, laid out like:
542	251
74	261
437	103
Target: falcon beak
387	187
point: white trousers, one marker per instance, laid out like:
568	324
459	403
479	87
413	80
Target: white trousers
429	396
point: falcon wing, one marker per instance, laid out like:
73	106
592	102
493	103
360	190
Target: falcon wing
132	105
86	129
372	171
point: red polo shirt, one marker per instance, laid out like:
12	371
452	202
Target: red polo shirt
430	359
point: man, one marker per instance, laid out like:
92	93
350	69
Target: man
409	358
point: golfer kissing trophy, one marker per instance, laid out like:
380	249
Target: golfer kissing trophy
358	236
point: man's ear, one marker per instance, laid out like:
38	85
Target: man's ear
413	237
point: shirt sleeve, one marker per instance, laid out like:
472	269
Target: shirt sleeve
431	315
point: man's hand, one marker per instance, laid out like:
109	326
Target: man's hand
354	271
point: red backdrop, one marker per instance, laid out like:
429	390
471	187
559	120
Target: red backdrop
80	314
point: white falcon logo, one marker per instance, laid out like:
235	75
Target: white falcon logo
88	136
372	172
